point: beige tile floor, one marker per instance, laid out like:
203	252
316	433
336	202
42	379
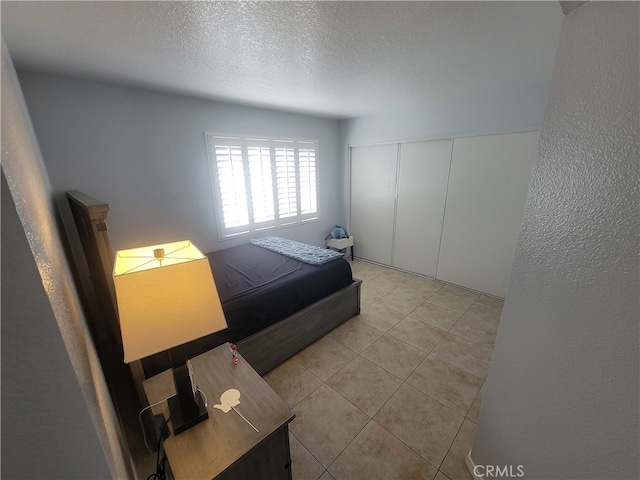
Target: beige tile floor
393	393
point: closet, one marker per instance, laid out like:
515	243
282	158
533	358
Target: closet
448	209
373	198
422	186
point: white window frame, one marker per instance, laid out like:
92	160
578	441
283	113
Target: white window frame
301	213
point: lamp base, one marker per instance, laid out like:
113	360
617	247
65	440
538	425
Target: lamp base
180	424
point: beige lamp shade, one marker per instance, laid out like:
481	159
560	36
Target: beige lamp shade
166	296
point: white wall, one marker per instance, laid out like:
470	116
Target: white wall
144	154
562	393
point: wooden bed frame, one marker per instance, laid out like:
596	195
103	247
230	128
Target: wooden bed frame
264	350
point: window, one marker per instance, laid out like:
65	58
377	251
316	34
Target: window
261	184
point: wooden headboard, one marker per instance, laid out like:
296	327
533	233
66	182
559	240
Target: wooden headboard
90	217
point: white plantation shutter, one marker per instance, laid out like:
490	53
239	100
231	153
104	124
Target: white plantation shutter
262	183
230	170
308	197
286	182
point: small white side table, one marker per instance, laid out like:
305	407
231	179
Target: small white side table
341	244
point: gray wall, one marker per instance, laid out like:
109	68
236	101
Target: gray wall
144	154
498	112
46	429
57	417
562	393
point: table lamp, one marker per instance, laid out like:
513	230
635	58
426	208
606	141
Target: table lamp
167	296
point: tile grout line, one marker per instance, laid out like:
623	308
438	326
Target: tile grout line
465	417
405	444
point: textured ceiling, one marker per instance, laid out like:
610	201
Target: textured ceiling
338	59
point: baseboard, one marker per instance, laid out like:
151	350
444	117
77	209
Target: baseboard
471	465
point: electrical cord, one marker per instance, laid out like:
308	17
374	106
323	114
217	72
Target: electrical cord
144	434
161	465
204	395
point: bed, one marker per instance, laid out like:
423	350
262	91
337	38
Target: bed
258	288
291	309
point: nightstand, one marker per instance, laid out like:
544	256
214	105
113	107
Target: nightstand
341	244
225	446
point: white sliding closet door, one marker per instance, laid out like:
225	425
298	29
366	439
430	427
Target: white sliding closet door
373	192
487	189
422	189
